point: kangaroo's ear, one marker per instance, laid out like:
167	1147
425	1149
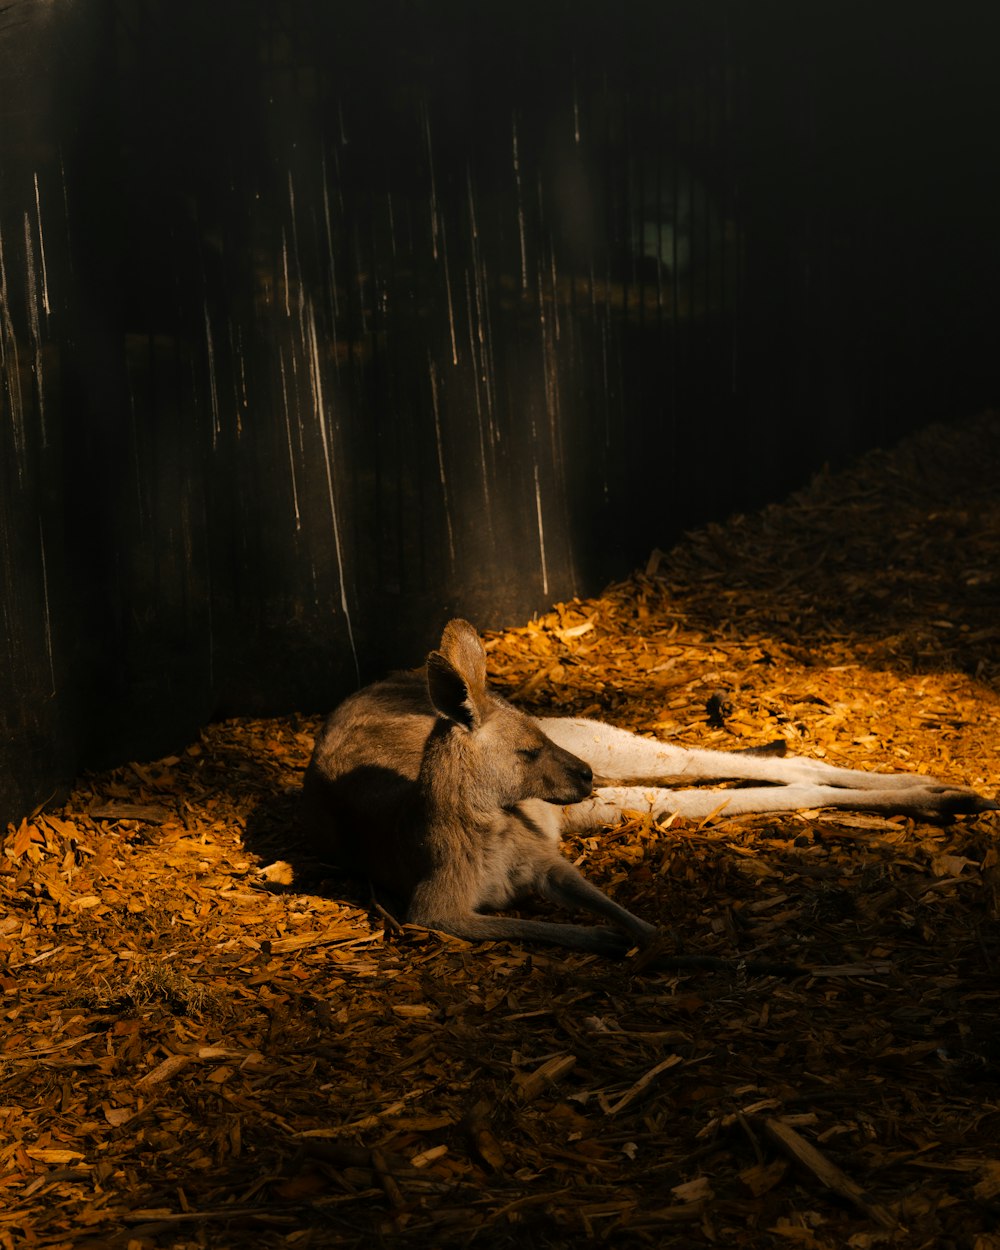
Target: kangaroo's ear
450	693
456	676
461	644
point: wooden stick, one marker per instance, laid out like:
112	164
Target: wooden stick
814	1161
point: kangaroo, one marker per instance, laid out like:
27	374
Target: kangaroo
446	795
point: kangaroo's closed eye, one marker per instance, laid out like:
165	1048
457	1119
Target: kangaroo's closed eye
530	753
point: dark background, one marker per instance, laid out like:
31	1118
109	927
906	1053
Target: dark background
321	322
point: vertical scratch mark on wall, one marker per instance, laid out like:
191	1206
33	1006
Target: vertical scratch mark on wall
451	309
243	397
65	201
541	533
330	254
338	181
48	618
488	365
41	251
480	343
295	247
430	166
9	360
284	272
213	393
318	403
550	374
440	459
483	464
520	212
36	334
392	223
555	290
288	430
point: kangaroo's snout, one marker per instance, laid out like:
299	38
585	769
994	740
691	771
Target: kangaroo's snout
576	778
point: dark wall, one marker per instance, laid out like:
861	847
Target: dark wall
322	322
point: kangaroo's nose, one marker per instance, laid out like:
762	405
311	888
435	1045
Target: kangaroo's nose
586	775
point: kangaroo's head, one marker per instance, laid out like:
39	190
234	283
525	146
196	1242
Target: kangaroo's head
501	756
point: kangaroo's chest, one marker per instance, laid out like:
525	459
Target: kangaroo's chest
508	860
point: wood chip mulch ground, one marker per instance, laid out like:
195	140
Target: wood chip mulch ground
209	1040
